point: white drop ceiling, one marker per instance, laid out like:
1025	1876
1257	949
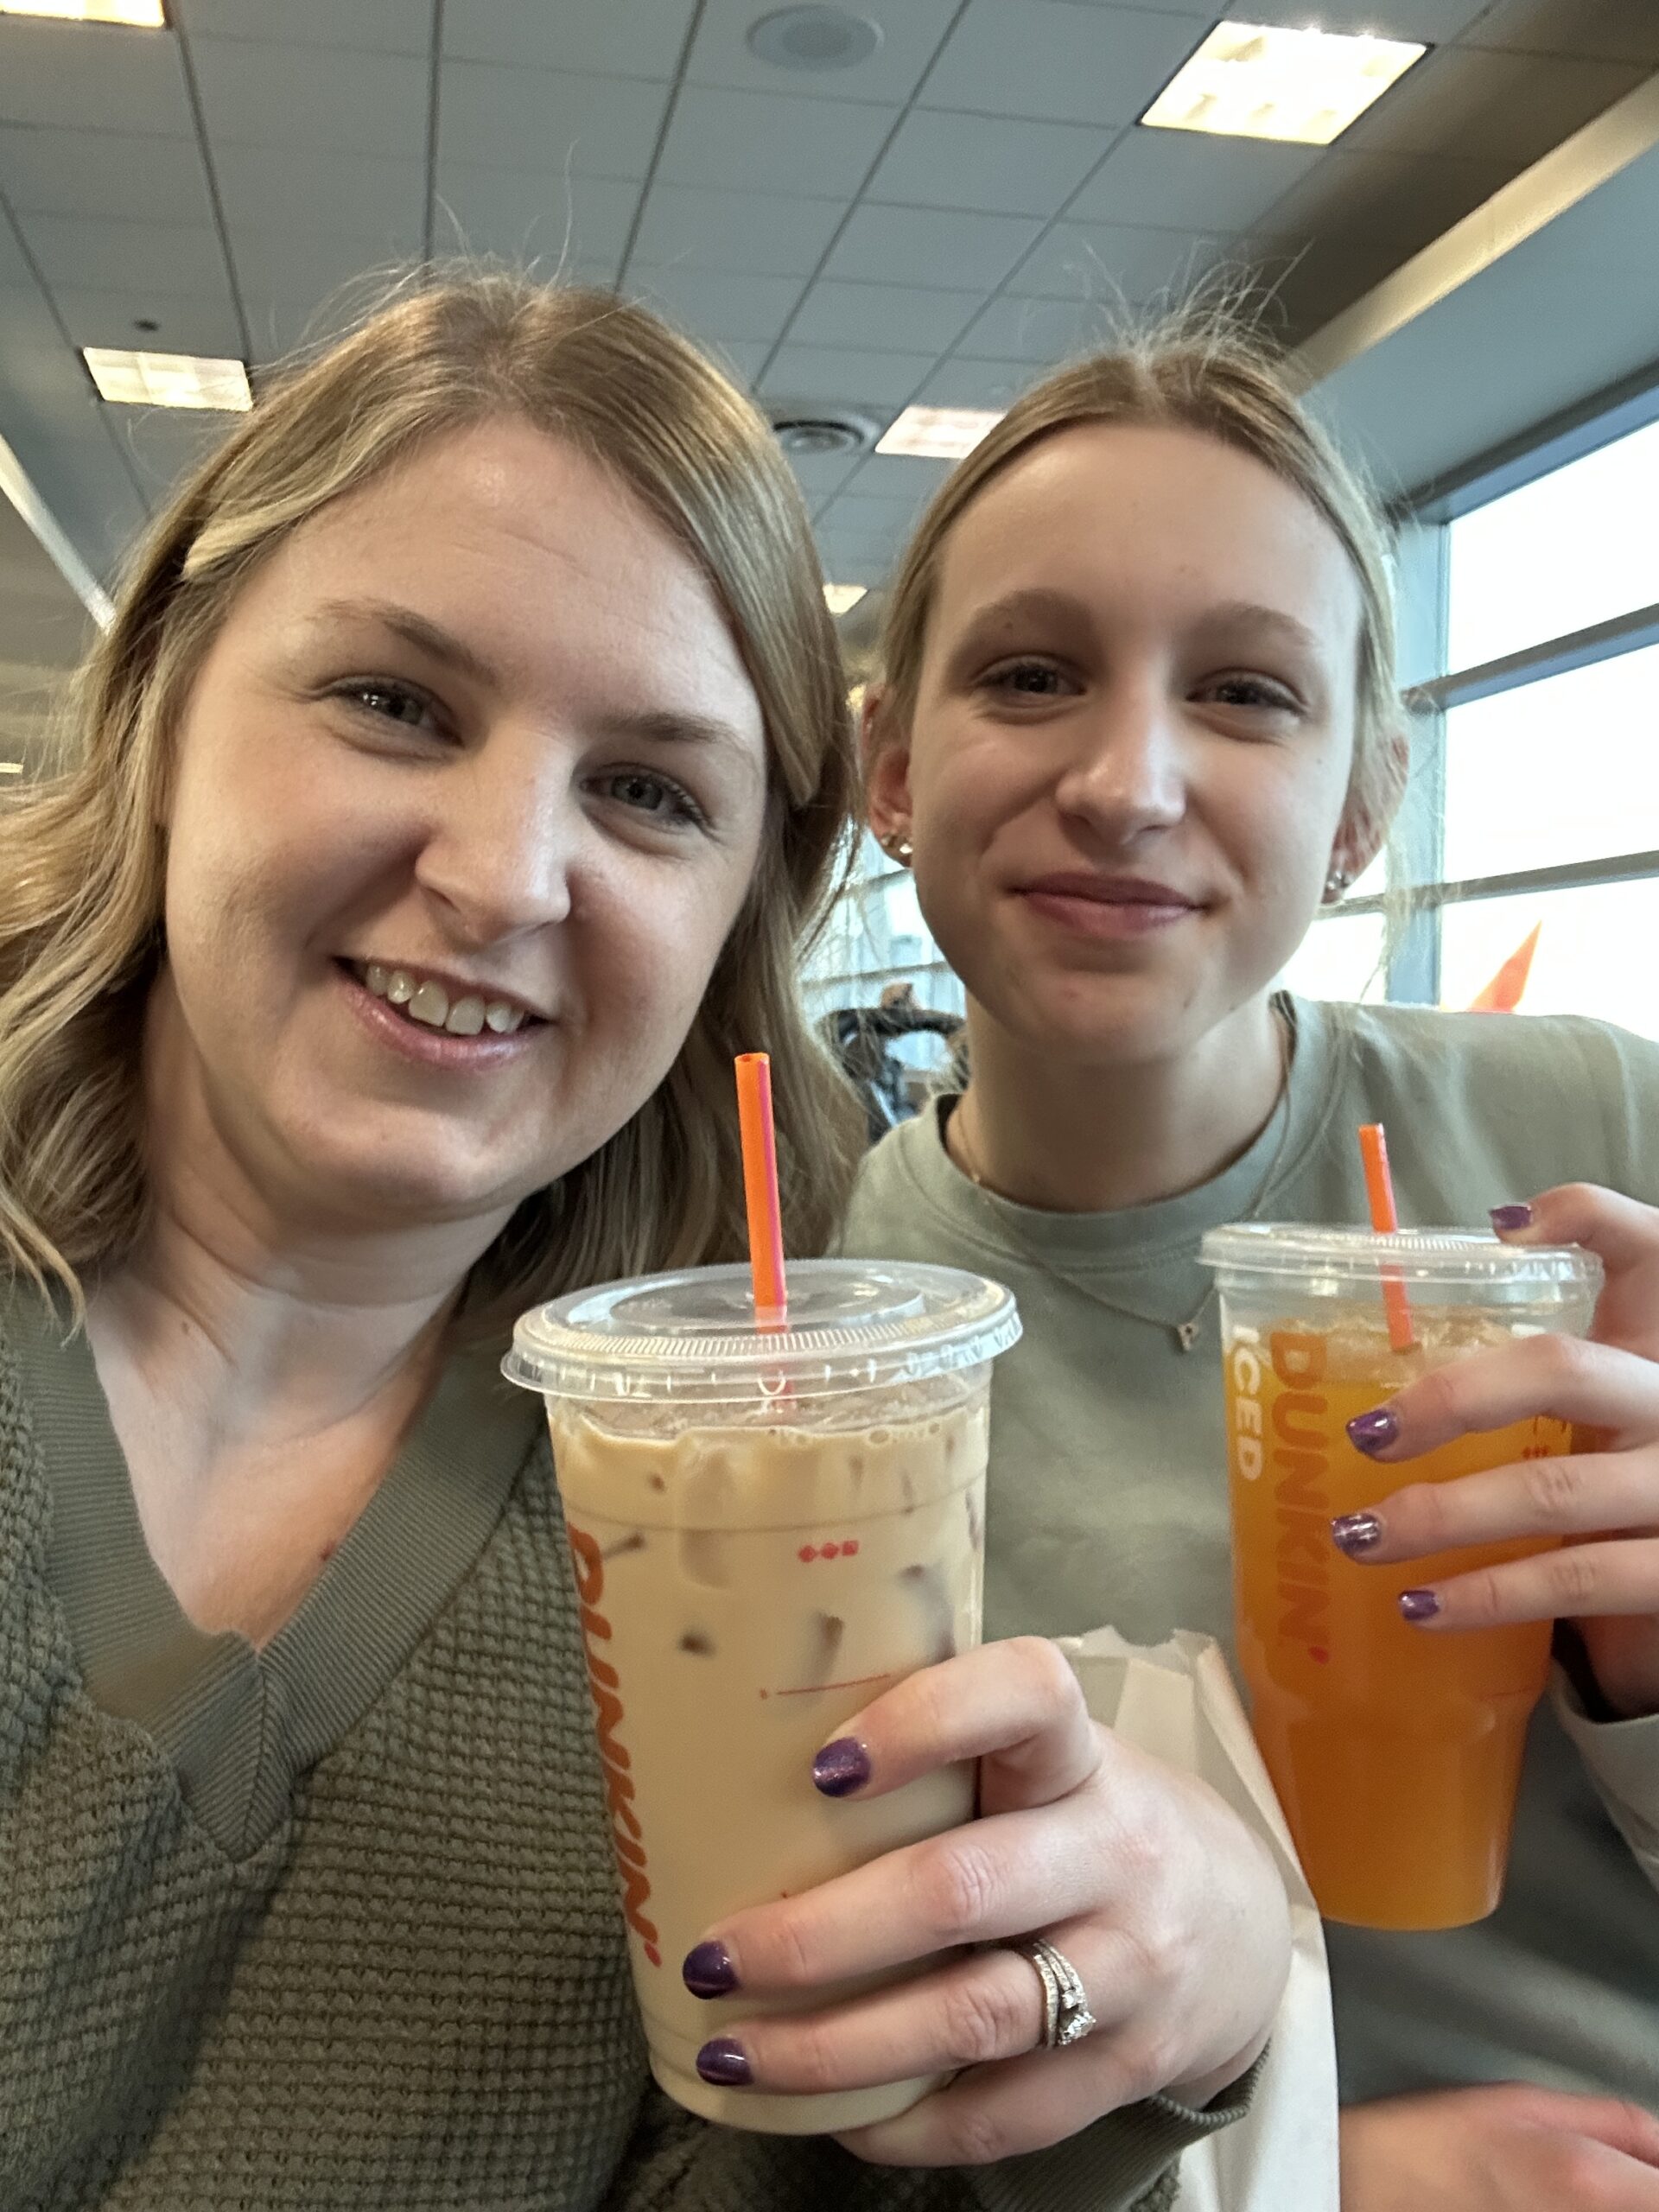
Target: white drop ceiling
939	223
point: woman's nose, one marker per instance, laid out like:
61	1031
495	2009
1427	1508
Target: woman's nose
499	856
1127	774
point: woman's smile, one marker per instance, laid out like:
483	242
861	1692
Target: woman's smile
1110	908
433	1020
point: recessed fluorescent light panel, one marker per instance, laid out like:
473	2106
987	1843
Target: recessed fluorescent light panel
1252	80
167	379
938	433
840	599
146	14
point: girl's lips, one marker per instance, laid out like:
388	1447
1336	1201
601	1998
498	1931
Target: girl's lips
432	1048
1091	916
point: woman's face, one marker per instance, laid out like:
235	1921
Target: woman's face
476	738
1132	738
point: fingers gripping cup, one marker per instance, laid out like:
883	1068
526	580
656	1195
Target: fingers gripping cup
1396	1756
769	1525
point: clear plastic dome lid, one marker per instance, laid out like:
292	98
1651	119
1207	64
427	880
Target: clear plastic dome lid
852	1324
1437	1258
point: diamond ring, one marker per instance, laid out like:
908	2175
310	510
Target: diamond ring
1067	2016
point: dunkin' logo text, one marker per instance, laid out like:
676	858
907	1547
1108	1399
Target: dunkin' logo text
625	1833
1293	1443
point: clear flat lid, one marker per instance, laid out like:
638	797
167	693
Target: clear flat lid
1449	1256
852	1324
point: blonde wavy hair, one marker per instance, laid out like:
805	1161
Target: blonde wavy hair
82	861
1202	367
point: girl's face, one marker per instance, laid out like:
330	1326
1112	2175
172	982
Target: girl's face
476	738
1125	775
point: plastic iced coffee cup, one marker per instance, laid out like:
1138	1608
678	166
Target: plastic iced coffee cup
1397	1755
769	1527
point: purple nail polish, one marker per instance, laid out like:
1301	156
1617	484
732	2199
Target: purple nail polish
1373	1432
1418	1605
1356	1533
708	1972
726	2063
1508	1217
841	1767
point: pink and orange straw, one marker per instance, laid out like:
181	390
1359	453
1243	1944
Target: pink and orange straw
1385	1220
760	1142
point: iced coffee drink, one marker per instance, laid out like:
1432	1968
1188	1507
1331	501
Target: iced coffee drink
769	1527
1396	1756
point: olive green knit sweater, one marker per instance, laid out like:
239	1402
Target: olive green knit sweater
333	1925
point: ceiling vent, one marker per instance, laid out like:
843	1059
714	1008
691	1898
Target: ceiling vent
810	430
814	38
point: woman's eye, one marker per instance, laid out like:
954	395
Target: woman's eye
1027	679
394	703
657	798
1253	691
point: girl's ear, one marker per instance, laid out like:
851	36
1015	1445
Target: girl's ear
884	752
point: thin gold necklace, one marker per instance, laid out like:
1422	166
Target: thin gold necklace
1185	1332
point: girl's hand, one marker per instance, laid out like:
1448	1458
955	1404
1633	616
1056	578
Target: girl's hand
1507	2148
1169	1909
1602	1504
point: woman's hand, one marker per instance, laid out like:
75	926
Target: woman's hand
1172	1912
1602	1504
1509	2148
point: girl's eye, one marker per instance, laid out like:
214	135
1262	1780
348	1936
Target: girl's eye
657	798
1027	679
1251	692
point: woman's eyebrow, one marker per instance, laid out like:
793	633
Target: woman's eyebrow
417	630
1243	612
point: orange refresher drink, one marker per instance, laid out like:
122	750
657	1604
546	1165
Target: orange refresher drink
1396	1753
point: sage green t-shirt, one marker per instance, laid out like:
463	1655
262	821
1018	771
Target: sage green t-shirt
1108	1501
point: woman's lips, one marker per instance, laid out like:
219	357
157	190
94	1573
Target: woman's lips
433	1048
1106	908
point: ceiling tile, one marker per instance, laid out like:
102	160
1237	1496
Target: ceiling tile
1187	181
606	38
186	326
359	195
161	258
918	245
1059	62
1606	30
742	361
103	173
529	215
1038	333
821	473
1411	197
1500	107
942	160
897	476
717	306
1432	22
909	318
1108	261
958	383
909	36
754	141
292	271
535	118
68	77
164	444
846	374
77	472
373	26
302	98
863	514
767	234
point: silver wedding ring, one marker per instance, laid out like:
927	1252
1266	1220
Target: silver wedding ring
1067	2016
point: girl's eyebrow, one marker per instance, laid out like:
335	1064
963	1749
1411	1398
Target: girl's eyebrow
1286	626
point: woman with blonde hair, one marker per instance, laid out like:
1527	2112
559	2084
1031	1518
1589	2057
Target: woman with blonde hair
1137	720
460	774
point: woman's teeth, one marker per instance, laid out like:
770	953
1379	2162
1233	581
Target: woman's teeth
419	999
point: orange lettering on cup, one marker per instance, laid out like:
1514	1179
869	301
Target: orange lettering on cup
602	1680
1300	1460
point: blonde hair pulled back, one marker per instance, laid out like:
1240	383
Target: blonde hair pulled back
83	856
1205	368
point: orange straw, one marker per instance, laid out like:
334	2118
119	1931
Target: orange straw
760	1187
1385	1220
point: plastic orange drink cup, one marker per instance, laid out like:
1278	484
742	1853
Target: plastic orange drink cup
1396	1754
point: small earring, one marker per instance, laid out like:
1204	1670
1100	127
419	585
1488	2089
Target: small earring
898	849
1335	885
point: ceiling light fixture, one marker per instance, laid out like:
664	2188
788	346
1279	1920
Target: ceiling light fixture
814	38
841	599
144	14
1253	81
938	433
167	379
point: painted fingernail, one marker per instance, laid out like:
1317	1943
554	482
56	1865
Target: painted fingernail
1355	1533
708	1972
1373	1432
1508	1217
1418	1605
841	1767
726	2063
